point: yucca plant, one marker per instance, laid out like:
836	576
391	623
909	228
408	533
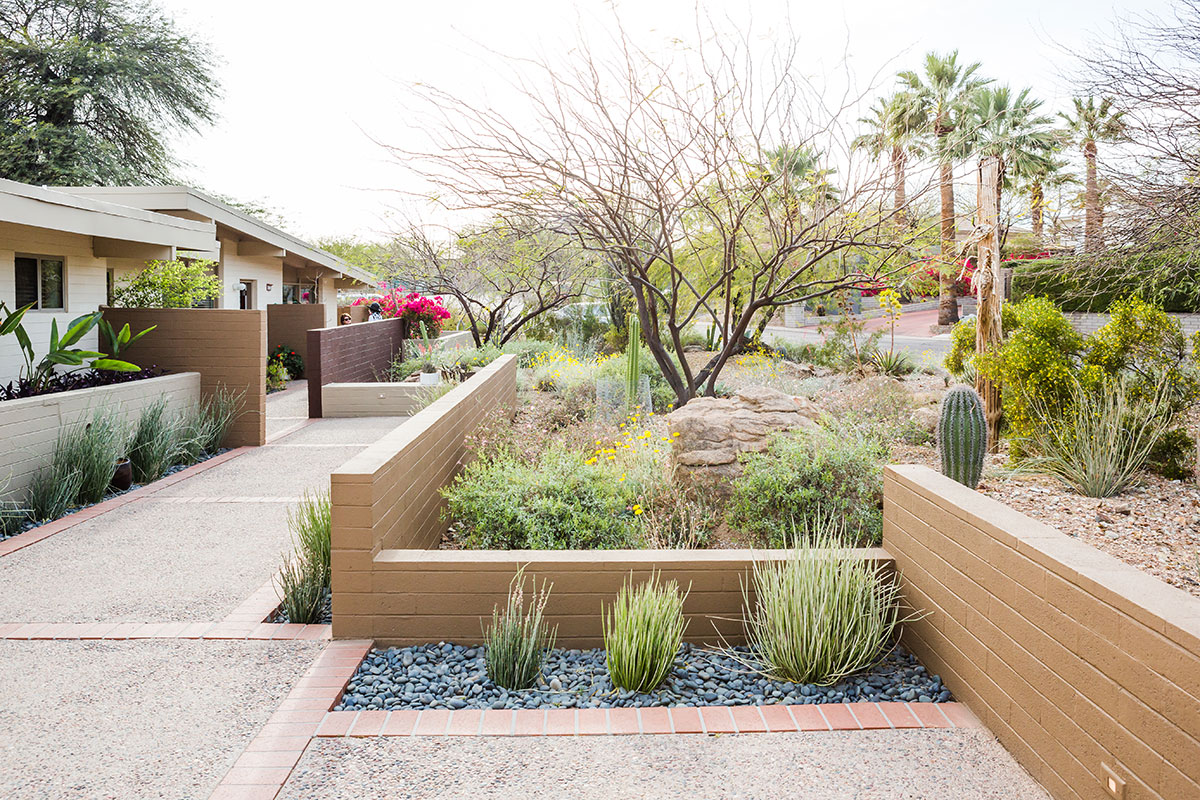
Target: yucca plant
157	443
92	448
1103	439
820	615
642	633
312	530
518	638
302	586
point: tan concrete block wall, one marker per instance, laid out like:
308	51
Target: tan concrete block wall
228	347
421	596
370	399
288	324
1071	657
30	427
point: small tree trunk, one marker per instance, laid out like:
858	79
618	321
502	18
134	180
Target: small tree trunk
1091	201
987	281
947	301
1037	207
898	174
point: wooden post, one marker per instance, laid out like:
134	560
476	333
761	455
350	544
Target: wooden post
988	287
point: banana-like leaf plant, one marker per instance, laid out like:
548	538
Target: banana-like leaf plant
62	352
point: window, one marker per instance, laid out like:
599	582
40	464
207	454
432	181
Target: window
299	293
39	280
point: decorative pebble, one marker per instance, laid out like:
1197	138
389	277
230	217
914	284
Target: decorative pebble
444	675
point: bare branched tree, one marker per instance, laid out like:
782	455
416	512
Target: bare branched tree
720	186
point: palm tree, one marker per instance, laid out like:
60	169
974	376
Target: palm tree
1008	128
895	130
945	92
1051	175
1093	123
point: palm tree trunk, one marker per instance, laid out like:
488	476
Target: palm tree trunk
1037	207
947	302
899	157
1091	200
987	283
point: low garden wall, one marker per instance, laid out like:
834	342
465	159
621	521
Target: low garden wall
228	347
1087	669
370	399
30	426
350	354
1088	323
288	325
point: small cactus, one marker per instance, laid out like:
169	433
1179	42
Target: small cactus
633	358
962	436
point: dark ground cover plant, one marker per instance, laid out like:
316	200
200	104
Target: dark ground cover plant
70	381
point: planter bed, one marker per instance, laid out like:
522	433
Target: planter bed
453	676
280	616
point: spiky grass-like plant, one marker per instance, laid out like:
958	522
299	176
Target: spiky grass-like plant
92	448
518	637
207	423
312	529
642	633
301	586
820	615
157	442
52	492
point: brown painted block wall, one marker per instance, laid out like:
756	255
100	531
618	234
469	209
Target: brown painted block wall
350	354
228	347
288	324
1071	657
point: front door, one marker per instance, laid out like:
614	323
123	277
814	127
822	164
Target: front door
245	295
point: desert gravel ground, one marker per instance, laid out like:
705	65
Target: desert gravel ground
277	469
135	719
150	561
861	765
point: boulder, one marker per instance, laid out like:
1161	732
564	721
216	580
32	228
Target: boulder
709	433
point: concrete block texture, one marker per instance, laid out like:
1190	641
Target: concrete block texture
1075	660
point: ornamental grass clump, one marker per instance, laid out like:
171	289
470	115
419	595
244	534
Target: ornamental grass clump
92	449
302	585
518	638
642	633
311	524
206	424
52	492
820	615
157	443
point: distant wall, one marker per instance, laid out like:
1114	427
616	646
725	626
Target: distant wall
350	354
1088	323
30	426
228	347
370	399
288	324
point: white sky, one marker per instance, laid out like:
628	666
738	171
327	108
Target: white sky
305	82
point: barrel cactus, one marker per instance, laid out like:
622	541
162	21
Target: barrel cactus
962	436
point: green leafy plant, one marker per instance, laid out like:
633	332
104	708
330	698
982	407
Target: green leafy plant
277	376
157	442
169	284
53	491
93	449
427	395
962	436
1173	456
290	359
38	372
809	476
518	637
311	524
120	340
642	633
1106	436
892	362
301	586
206	423
820	615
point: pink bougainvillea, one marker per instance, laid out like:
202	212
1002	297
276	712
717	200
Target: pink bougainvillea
413	307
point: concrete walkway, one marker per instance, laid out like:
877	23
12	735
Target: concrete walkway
231	716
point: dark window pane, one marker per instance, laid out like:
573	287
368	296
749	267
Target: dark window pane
27	281
52	283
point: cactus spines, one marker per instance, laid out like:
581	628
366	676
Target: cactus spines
962	435
633	359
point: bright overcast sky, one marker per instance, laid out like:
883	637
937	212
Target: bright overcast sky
304	83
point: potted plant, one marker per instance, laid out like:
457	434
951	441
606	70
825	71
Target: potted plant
429	371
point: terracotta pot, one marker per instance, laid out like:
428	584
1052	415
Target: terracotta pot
122	475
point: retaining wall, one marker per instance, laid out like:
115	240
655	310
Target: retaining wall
1087	669
30	426
288	324
370	399
1088	323
228	347
356	353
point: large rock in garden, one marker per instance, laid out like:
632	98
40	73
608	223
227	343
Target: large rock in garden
709	433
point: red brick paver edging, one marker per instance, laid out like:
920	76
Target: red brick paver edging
15	543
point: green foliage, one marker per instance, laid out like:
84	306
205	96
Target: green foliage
558	502
290	359
1173	456
518	638
1103	439
277	376
206	423
169	284
642	633
821	615
428	394
526	350
960	360
893	362
808	477
92	90
962	436
53	491
1093	282
311	524
301	586
116	341
633	361
157	442
62	351
93	449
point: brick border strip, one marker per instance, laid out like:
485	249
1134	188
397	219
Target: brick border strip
267	762
22	540
119	631
645	721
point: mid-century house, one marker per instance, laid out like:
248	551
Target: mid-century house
64	249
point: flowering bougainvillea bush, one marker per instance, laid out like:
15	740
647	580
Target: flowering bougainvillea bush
413	307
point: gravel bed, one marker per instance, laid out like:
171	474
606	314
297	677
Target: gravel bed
453	676
29	525
326	618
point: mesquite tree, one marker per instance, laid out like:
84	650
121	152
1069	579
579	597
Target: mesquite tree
681	172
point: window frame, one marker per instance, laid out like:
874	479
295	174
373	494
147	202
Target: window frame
40	258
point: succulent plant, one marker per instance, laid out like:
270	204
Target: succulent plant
633	358
962	436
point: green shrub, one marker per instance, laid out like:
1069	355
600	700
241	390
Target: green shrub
821	615
558	502
157	442
642	633
289	359
517	640
960	360
93	449
301	588
206	424
808	477
893	362
526	350
277	376
312	530
169	284
1173	456
53	491
1094	282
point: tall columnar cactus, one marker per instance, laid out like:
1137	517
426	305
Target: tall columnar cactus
962	435
633	360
